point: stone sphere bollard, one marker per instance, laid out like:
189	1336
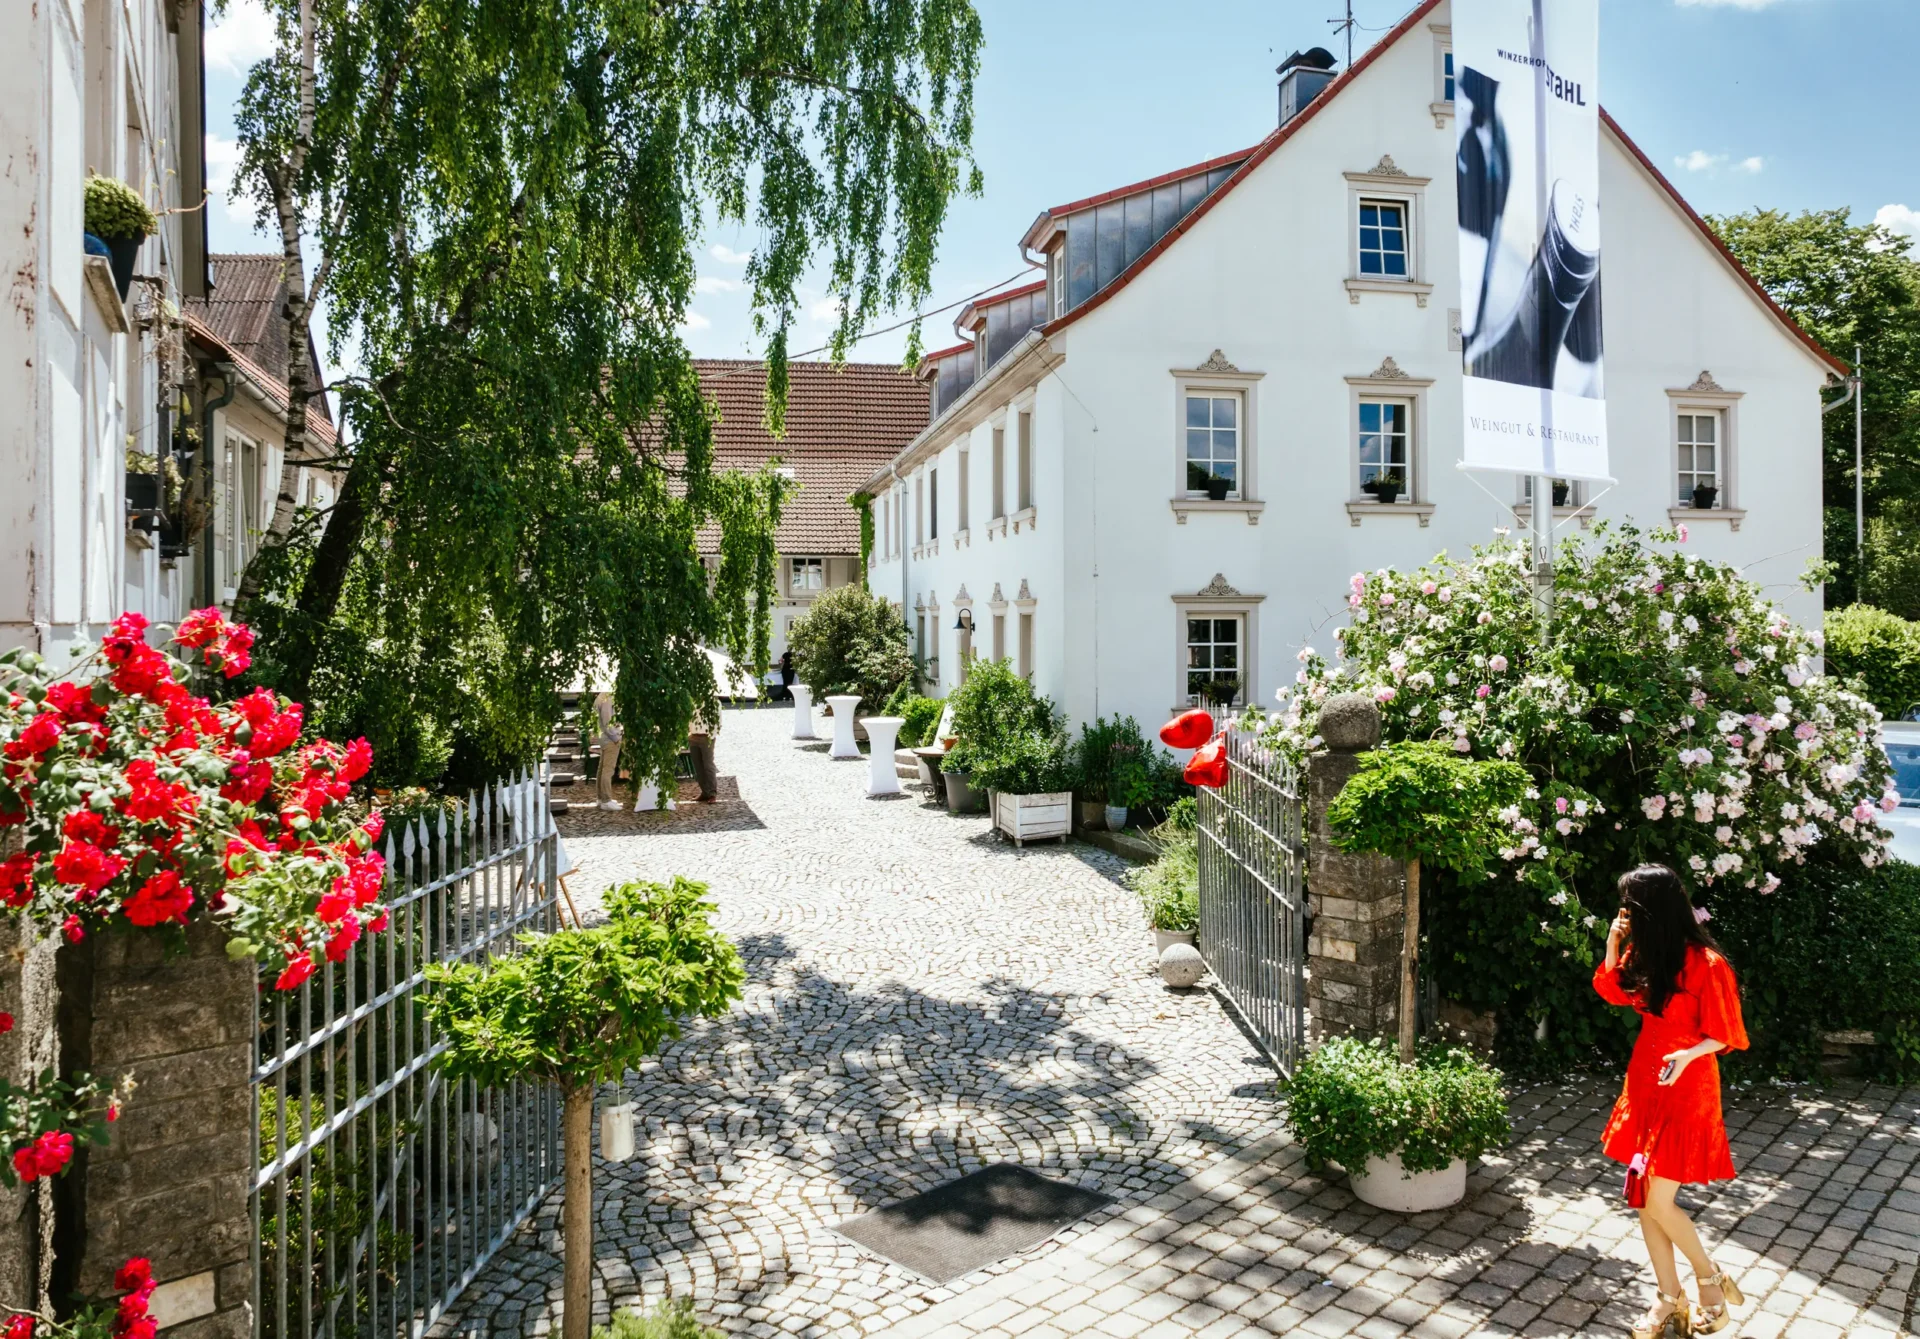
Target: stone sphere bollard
1182	966
1350	723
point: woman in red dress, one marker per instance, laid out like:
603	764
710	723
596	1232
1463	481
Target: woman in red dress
1663	963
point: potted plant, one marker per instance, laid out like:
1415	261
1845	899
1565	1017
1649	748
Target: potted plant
1562	492
1128	785
1387	486
1403	1133
1169	888
1218	486
1704	496
1030	778
1221	690
117	215
956	776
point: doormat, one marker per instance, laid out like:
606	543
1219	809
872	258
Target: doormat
984	1216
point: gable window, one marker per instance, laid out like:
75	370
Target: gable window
806	574
1057	281
1698	440
1446	75
1383	239
1214	659
1213	443
1386	449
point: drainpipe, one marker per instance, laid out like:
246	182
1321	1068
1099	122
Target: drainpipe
230	379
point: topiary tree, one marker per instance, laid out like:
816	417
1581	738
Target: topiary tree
581	1007
851	641
1423	802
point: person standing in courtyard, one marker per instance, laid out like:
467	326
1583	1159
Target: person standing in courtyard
786	674
701	737
608	738
1667	1124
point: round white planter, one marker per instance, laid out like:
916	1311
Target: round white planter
1386	1185
1162	938
1116	816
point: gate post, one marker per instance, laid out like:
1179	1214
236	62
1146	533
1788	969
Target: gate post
1358	902
173	1182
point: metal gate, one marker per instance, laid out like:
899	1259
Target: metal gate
1253	895
380	1188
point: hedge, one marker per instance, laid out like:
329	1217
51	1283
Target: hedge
1881	651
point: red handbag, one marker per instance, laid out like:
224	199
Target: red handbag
1188	730
1208	766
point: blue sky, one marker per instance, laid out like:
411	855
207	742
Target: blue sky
1791	104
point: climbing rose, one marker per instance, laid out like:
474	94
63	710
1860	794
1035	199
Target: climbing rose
298	970
46	1156
135	1272
160	899
20	1327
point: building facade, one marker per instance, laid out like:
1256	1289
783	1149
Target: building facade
842	423
1164	475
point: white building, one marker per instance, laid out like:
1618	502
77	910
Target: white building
99	392
1286	314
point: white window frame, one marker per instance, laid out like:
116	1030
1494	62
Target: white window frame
1212	619
1385	183
800	564
1389	216
1218	377
1687	424
1023	460
1057	280
1388	382
1725	404
1442	105
1218	599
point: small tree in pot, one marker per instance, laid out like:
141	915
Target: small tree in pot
581	1007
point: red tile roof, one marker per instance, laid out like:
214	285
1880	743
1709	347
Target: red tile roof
843	423
319	430
1268	146
244	312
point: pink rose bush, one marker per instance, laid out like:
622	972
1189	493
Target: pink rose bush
1675	714
127	800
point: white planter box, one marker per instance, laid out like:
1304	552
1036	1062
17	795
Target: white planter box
1385	1184
1027	818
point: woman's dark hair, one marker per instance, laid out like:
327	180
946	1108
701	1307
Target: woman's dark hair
1663	926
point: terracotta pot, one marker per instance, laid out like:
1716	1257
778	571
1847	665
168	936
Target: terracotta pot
1093	815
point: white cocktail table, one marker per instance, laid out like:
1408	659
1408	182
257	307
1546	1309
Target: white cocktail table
843	705
883	776
802	711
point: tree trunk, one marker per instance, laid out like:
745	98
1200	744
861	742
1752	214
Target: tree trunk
327	575
1410	964
576	1315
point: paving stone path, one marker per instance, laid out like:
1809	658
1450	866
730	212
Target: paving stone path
923	1000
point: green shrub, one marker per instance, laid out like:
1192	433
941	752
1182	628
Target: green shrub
1112	760
1878	652
851	641
1834	948
114	210
669	1320
1352	1099
920	716
1423	801
993	708
1169	888
1028	764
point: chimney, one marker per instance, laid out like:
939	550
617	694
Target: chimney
1302	76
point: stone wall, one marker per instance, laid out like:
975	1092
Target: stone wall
27	993
172	1185
1358	902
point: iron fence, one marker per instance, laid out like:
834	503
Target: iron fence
1253	895
381	1189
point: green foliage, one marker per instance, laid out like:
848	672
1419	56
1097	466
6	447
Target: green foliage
1423	801
506	203
1169	888
993	708
1837	947
584	1006
863	503
1879	652
115	211
1672	714
1351	1100
922	715
1029	763
851	641
1849	284
672	1319
1116	762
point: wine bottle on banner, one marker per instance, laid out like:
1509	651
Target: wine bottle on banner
1483	173
1527	351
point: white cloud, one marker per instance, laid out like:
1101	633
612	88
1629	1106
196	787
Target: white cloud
695	321
709	283
223	157
241	37
1702	161
726	255
1903	220
826	311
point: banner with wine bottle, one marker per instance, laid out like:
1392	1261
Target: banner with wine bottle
1527	124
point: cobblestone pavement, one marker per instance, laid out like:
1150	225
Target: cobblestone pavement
923	1000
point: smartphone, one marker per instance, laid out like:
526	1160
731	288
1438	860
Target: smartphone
1666	1071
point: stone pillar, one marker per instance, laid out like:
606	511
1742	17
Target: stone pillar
172	1184
1358	901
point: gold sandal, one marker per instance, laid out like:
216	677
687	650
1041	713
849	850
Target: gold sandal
1679	1320
1712	1319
